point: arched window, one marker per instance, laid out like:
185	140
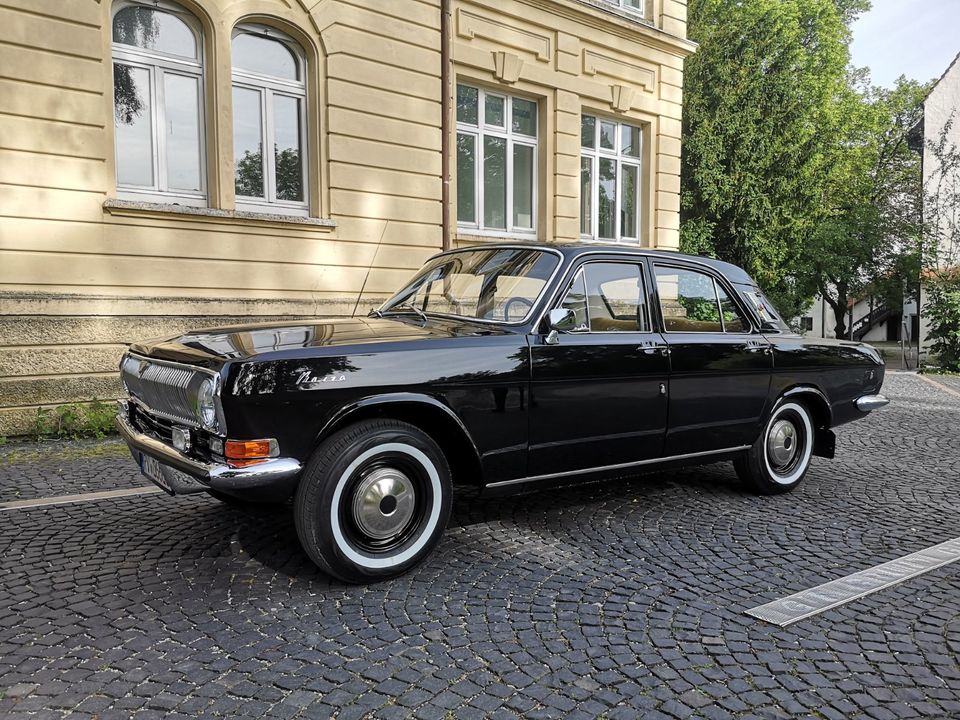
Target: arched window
158	103
269	121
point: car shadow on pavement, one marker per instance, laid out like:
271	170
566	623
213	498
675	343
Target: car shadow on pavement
268	536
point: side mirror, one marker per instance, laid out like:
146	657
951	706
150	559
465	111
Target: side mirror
560	320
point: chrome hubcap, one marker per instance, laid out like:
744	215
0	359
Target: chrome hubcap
383	503
782	443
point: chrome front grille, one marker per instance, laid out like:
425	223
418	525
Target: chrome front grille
164	389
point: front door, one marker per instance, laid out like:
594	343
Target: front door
599	394
720	367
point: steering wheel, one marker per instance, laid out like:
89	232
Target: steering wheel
516	299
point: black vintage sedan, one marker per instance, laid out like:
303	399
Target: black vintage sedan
503	367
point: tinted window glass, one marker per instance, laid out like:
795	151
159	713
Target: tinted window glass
500	284
733	319
764	309
615	297
688	300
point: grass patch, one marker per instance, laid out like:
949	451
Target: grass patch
74	421
934	370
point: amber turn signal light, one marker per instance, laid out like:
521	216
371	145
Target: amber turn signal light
247	452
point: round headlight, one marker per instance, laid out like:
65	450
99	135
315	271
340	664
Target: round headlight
207	404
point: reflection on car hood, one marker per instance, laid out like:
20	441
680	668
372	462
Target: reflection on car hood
212	346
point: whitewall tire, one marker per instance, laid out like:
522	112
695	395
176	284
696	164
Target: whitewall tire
780	458
373	501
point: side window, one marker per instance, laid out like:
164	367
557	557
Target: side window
609	297
733	318
615	298
688	301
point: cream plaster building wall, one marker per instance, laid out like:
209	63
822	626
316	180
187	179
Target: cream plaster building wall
83	272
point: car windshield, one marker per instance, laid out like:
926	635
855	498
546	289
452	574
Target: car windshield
496	284
768	314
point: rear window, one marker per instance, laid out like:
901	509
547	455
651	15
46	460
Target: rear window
764	308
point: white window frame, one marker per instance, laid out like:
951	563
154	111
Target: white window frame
622	4
482	130
268	86
595	154
158	65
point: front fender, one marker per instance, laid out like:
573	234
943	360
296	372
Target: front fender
429	413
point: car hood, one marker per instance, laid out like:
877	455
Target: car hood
213	347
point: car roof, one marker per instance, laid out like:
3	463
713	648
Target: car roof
571	250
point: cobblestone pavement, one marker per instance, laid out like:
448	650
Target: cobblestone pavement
616	600
38	470
951	381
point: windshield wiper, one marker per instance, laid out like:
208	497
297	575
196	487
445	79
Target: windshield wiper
375	313
404	307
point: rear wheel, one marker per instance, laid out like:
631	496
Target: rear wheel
780	458
373	501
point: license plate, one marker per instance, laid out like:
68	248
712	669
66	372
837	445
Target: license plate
153	470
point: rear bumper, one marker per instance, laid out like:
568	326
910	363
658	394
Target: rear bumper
279	474
871	402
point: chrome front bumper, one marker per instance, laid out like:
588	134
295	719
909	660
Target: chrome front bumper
871	402
218	476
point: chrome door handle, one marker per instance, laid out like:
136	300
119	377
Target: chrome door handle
652	348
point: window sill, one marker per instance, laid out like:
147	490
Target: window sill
474	235
136	208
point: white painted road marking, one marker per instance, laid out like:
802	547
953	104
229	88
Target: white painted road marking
84	497
825	597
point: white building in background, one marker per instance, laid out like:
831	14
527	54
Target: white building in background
941	114
885	325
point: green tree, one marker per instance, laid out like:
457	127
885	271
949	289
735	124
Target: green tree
760	127
867	240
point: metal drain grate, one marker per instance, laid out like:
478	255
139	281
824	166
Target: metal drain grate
846	589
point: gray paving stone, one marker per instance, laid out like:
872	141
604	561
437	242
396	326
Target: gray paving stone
622	599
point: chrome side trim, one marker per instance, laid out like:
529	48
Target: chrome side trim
618	466
213	474
871	402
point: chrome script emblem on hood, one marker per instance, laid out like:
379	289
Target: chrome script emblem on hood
308	378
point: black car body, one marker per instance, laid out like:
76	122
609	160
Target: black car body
575	382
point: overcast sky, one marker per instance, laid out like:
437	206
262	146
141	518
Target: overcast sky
916	38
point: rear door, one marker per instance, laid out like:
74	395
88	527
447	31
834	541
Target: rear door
720	365
599	395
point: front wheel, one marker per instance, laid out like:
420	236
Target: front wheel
780	457
373	501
